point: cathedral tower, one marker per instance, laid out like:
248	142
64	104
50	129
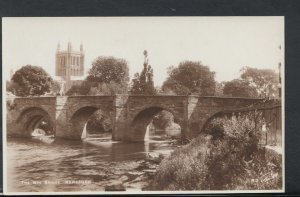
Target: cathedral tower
69	64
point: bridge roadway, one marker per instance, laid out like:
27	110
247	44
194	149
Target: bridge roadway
129	114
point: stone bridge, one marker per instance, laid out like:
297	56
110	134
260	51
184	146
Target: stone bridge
130	114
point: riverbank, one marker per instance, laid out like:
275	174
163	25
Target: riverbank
227	157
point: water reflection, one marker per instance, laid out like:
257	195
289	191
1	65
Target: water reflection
44	139
56	164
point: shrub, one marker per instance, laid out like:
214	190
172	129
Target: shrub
225	156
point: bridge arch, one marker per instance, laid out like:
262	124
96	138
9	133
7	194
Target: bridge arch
227	113
30	118
209	118
141	119
78	120
76	105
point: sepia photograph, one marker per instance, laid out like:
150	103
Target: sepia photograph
137	105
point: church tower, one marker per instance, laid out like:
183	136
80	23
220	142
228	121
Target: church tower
69	65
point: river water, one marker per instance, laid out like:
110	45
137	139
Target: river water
43	164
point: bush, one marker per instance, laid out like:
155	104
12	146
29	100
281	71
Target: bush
226	156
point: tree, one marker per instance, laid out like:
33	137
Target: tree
55	87
143	83
108	76
109	69
11	87
81	89
219	90
111	88
31	81
239	88
190	77
265	81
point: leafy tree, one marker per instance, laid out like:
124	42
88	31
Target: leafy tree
219	91
172	87
81	89
109	69
55	87
239	88
93	88
108	76
111	88
265	81
11	87
143	83
190	77
31	81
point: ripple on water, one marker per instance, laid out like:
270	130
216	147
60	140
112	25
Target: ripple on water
121	163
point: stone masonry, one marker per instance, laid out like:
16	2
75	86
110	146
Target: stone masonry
130	114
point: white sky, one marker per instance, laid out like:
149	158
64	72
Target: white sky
225	44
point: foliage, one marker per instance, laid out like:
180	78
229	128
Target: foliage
31	81
99	123
11	87
93	88
173	87
55	87
225	157
239	88
143	83
163	119
219	90
265	81
190	77
108	76
109	69
111	88
81	89
253	83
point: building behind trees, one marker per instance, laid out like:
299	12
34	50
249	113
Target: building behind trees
70	65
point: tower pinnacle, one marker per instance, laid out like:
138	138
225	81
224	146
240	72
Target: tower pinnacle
81	47
58	47
69	46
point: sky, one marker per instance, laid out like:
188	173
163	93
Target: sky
225	44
